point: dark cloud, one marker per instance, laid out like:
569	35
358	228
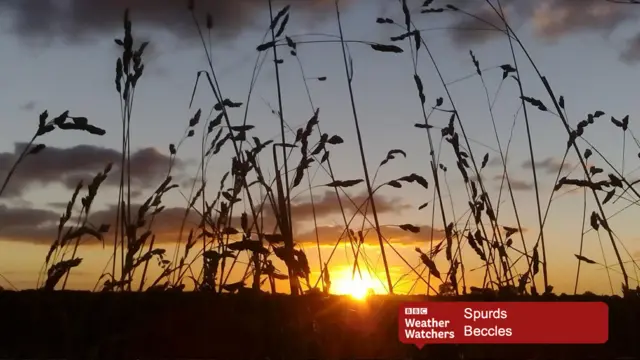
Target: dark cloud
40	226
631	54
28	106
57	205
516	185
27	224
329	235
520	185
81	19
76	20
551	20
485	26
328	205
67	166
550	165
554	18
23	217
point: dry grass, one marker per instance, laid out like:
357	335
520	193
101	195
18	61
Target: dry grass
231	231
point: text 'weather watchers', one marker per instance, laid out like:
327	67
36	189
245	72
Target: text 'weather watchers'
422	323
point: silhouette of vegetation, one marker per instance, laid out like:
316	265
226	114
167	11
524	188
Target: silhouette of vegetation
135	310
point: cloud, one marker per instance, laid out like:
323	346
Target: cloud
550	165
469	30
328	205
555	18
27	224
551	20
76	20
28	106
632	53
57	205
39	226
520	185
517	185
67	166
329	235
23	217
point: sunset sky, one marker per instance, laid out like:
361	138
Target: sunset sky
59	56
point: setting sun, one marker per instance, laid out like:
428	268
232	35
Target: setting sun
344	283
358	288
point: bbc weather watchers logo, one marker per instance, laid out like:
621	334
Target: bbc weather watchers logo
416	311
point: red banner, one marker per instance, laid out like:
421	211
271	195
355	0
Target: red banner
422	323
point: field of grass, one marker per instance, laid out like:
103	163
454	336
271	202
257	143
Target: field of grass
84	325
136	315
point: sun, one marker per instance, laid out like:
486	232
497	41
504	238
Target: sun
344	283
359	289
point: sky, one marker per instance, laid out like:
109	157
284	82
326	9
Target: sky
60	55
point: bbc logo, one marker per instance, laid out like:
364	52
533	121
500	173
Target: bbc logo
416	311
